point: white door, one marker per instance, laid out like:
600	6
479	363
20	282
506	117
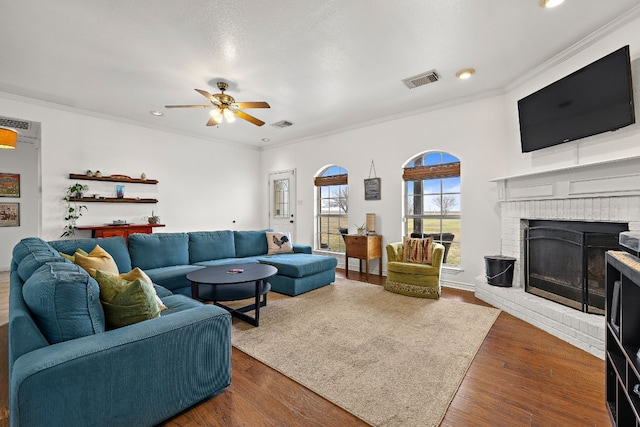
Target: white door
282	201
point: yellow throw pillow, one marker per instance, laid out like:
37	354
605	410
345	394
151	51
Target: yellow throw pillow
97	259
136	273
125	302
417	250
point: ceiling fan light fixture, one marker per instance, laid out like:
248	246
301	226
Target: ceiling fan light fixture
229	116
8	138
550	3
216	114
224	106
465	74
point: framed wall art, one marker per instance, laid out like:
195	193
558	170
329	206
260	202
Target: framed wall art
9	214
9	185
372	189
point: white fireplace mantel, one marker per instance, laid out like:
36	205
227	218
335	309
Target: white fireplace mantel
607	179
606	191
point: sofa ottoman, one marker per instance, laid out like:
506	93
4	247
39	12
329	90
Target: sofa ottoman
299	273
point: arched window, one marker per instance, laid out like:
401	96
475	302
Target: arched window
432	201
332	207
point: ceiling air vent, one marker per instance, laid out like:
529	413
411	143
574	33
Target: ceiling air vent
421	79
27	131
282	124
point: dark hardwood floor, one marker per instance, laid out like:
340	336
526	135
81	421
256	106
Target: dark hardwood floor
521	376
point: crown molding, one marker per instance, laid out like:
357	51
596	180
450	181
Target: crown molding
392	117
94	114
577	48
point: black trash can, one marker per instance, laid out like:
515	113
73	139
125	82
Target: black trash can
499	270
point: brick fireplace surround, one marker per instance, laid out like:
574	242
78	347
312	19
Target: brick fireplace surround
604	192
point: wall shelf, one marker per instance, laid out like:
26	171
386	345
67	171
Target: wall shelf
112	200
112	179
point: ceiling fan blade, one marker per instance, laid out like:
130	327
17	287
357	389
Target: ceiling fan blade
188	106
208	96
248	118
212	122
252	105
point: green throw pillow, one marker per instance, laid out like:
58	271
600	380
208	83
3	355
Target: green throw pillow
72	258
126	302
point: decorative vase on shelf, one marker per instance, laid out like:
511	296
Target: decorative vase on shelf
120	191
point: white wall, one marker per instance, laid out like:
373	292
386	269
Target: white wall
194	175
483	134
24	161
620	144
473	132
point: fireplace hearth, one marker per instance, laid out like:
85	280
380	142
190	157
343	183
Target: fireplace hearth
564	261
606	191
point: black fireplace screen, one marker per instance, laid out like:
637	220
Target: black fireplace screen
564	261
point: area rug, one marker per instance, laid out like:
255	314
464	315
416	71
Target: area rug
389	359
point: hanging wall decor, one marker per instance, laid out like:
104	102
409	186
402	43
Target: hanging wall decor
9	214
9	185
372	185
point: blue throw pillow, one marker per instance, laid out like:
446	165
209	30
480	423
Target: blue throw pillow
65	302
29	245
30	254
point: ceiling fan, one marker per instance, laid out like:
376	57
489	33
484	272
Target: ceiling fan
225	106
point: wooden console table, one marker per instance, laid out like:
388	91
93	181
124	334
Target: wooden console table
364	248
119	230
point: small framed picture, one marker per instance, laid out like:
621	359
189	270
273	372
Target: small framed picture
372	189
9	214
9	185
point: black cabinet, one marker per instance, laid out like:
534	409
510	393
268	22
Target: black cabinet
623	338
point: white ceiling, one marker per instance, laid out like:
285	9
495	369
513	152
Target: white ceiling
324	65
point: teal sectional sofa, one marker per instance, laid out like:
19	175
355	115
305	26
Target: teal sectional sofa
67	369
168	257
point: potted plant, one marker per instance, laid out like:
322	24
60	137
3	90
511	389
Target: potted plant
362	229
74	211
153	219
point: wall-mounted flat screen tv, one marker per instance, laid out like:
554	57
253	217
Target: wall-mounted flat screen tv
595	99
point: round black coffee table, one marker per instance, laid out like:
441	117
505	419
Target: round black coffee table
233	282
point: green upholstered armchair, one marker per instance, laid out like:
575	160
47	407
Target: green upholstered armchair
414	279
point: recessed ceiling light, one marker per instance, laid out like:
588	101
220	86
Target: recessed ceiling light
550	3
156	113
465	74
